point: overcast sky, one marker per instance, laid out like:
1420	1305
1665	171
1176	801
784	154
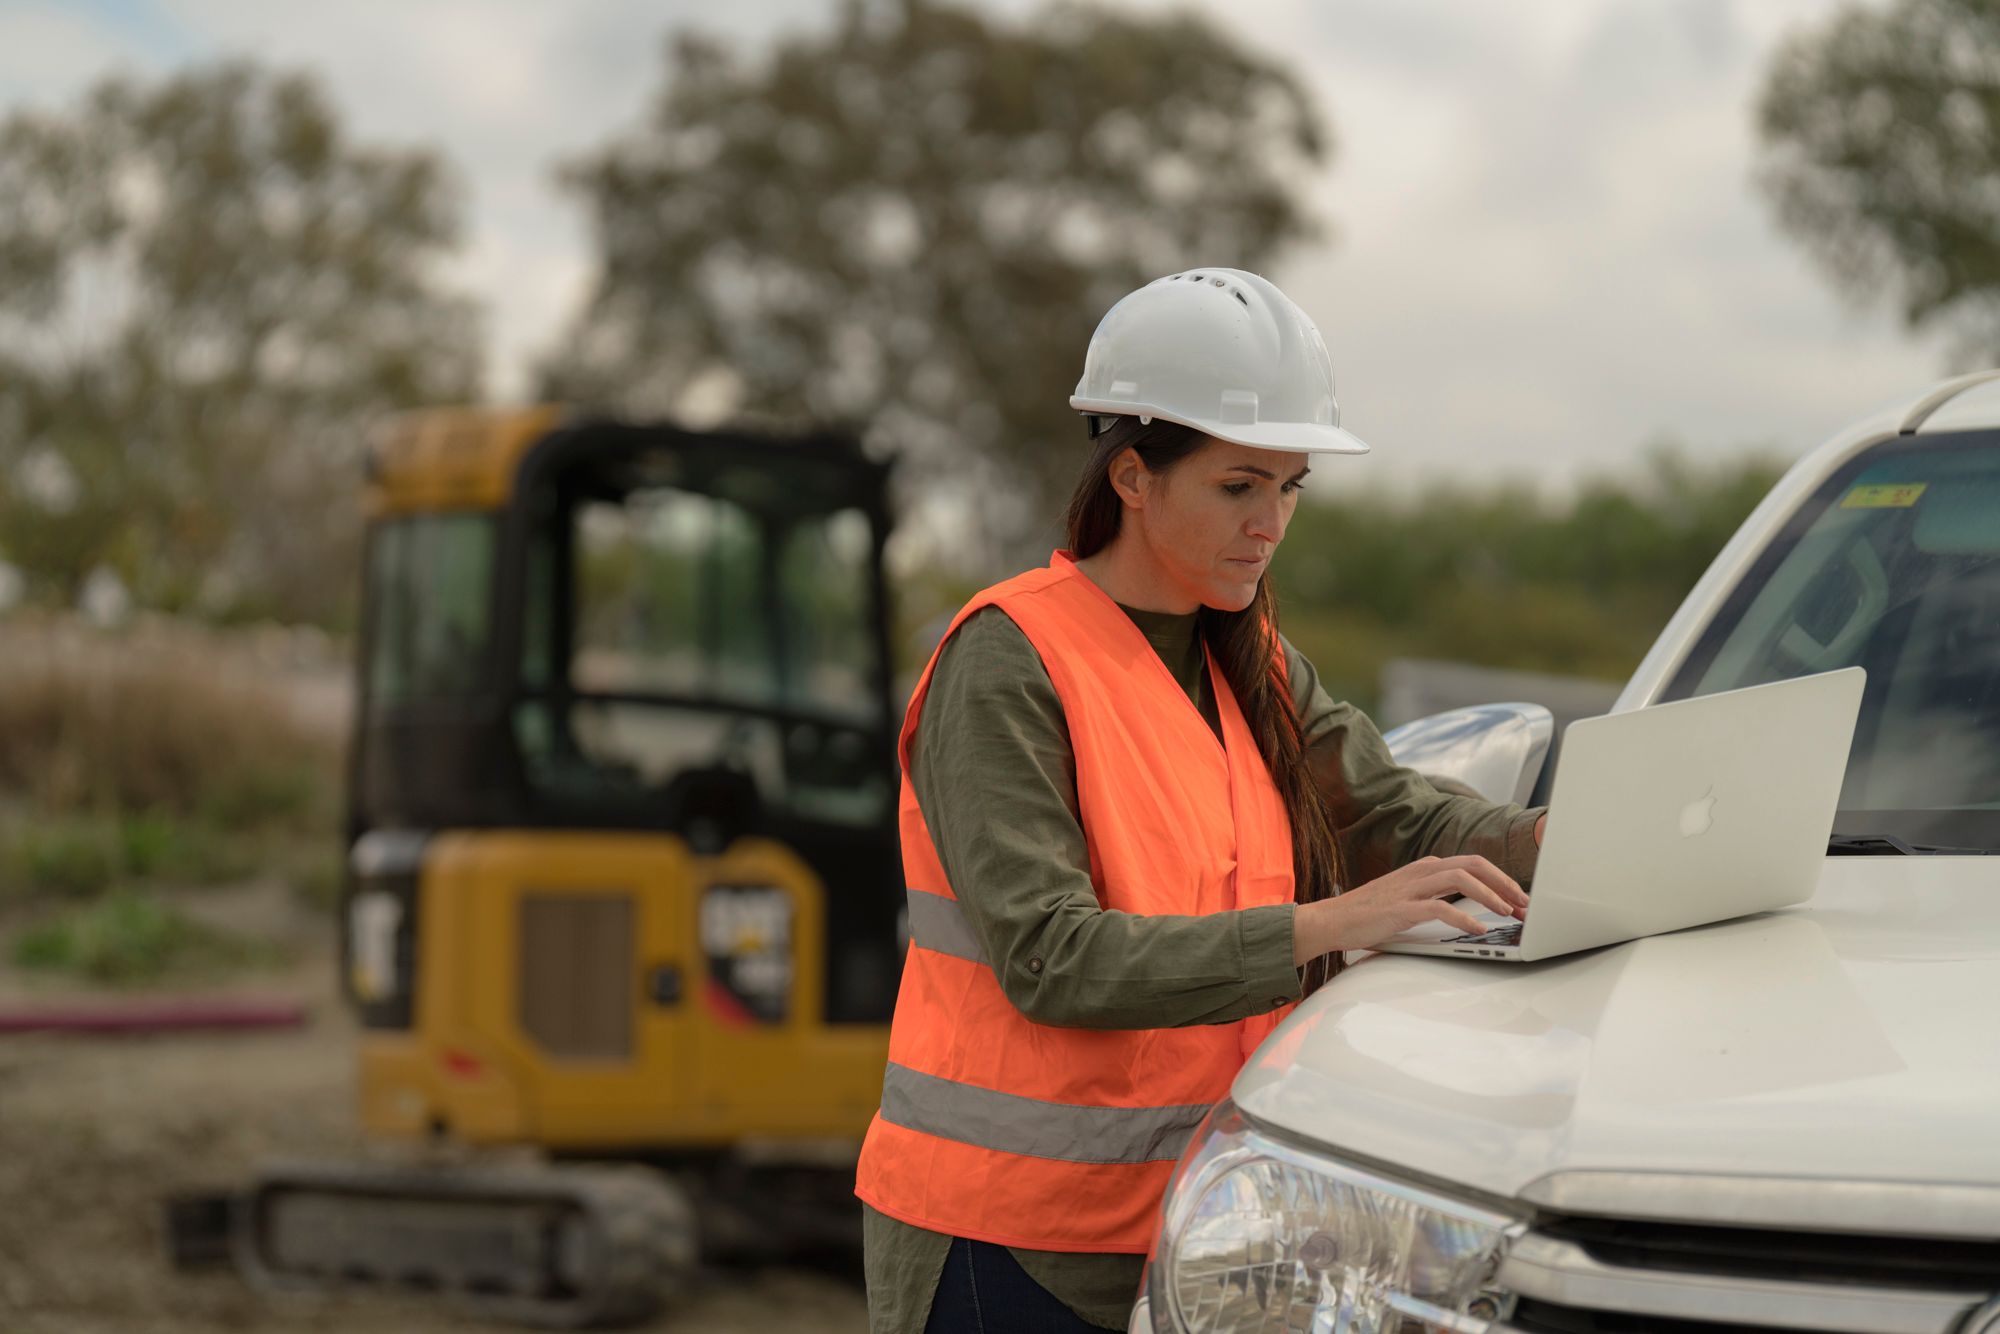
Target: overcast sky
1547	248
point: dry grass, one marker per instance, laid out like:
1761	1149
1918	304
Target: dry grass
157	717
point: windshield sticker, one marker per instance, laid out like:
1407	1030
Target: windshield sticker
1898	497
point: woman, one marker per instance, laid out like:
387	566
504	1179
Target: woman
1134	830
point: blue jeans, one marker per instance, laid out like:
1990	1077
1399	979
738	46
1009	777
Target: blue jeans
984	1290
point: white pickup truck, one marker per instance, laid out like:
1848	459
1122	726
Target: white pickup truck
1789	1121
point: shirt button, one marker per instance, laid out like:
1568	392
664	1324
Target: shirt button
1277	1001
1035	963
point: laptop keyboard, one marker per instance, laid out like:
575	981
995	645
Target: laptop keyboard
1503	935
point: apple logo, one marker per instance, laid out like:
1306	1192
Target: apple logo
1698	815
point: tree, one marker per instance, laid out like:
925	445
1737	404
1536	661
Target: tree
206	293
911	223
1881	138
1504	576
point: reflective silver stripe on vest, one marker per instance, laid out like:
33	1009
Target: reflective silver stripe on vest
937	924
1009	1123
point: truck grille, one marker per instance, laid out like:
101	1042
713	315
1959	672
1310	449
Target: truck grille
1577	1275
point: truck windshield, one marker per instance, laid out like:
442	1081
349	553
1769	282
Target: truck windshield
1892	566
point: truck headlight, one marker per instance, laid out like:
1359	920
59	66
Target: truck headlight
1260	1235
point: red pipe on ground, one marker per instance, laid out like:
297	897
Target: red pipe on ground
154	1015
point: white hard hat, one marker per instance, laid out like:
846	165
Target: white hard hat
1220	350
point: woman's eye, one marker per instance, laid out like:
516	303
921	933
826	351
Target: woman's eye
1293	486
1236	488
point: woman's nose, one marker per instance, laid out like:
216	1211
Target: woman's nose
1267	524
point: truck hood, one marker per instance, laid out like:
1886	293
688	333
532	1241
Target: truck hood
1855	1038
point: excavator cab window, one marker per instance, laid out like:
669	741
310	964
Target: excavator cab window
704	620
430	593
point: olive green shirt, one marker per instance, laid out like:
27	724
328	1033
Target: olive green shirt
995	779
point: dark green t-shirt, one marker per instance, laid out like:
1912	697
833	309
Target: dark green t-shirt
994	776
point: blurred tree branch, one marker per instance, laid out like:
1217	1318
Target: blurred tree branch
205	292
910	225
1881	137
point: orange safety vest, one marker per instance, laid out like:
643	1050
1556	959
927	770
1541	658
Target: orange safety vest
998	1128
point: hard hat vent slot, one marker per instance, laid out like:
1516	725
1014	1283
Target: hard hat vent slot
1238	294
1195	276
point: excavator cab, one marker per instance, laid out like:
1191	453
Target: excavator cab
624	876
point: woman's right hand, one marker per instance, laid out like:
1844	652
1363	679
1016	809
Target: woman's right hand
1407	897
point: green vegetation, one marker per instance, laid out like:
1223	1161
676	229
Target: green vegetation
1880	132
78	856
1503	578
279	288
128	938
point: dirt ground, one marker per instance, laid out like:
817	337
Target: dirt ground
96	1131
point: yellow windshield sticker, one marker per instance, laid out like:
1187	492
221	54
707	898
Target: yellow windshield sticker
1898	497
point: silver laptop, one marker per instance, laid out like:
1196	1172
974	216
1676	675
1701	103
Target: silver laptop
1675	815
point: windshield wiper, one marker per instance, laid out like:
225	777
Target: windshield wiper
1877	845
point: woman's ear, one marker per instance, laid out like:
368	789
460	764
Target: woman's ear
1130	478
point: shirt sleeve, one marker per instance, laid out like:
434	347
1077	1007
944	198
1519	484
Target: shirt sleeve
995	779
1386	815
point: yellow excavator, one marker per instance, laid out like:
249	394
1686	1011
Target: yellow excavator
623	877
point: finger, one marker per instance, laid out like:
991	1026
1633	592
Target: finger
1465	922
1486	896
1489	874
1411	872
1437	910
1463	882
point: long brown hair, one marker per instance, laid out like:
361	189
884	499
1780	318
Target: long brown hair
1245	647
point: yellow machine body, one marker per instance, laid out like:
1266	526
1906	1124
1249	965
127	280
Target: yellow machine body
558	965
568	1001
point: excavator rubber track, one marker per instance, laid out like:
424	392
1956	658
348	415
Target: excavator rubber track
560	1247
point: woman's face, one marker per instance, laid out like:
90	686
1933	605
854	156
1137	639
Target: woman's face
1211	523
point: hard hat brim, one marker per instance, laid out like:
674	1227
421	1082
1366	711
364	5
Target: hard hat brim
1290	437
